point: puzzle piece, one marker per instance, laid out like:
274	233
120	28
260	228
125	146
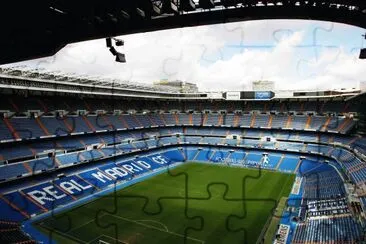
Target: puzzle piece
330	49
70	223
219	224
156	218
61	223
239	223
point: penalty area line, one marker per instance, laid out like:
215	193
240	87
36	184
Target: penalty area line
100	237
156	228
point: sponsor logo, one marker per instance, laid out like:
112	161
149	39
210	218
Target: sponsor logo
296	187
283	232
262	95
66	187
265	160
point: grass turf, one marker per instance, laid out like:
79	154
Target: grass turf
155	211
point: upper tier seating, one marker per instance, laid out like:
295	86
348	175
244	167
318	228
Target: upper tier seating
27	128
47	104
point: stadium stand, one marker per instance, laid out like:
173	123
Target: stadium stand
48	126
11	233
96	144
336	229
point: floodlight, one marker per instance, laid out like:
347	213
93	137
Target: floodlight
140	12
113	51
119	42
362	53
125	14
120	57
108	42
187	5
170	6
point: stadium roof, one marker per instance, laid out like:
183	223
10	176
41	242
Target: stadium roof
60	77
37	80
41	28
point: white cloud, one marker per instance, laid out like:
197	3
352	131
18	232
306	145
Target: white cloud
215	57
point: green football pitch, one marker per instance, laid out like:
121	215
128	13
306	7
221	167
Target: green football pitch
156	210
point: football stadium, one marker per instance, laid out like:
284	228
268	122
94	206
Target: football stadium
85	159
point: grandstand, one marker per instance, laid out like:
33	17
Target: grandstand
55	155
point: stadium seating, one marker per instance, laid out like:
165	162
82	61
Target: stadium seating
261	120
323	184
11	233
23	104
95	150
28	128
289	164
37	199
327	230
5	131
119	141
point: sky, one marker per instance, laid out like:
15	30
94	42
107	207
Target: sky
295	54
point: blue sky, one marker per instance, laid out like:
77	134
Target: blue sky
296	54
318	36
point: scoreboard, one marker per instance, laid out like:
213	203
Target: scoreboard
248	95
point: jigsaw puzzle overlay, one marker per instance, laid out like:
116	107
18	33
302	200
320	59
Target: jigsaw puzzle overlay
189	203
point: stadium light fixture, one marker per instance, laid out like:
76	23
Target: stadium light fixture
109	42
120	57
125	14
156	8
140	12
113	51
119	42
187	5
363	51
170	6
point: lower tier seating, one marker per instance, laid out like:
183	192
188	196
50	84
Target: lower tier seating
10	232
106	145
342	229
321	184
46	196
